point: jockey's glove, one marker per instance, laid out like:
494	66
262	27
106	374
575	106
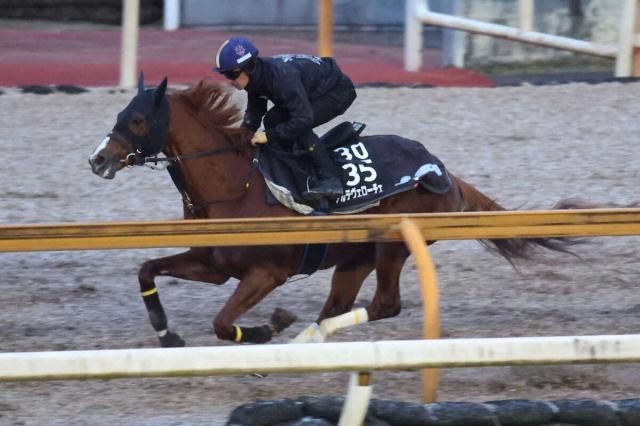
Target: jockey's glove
259	138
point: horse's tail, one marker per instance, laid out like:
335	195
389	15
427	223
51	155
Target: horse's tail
512	249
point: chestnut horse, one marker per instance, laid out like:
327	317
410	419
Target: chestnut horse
195	129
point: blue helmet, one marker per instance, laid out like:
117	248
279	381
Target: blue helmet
235	53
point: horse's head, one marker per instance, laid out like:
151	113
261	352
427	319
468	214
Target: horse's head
141	130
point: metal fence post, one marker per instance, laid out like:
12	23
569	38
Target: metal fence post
412	37
628	57
129	54
171	15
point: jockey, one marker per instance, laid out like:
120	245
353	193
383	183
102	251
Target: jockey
306	91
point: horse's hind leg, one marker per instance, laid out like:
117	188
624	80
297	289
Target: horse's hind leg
194	265
390	258
345	285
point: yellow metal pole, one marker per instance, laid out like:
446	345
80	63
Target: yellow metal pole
325	28
414	239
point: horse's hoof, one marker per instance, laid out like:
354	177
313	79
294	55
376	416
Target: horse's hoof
281	319
171	340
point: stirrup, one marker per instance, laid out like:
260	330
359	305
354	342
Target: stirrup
316	194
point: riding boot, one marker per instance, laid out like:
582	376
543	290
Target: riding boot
329	184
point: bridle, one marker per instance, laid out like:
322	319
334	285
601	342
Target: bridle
136	157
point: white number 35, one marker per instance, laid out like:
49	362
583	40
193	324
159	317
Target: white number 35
354	172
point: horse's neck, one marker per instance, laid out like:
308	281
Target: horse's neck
216	180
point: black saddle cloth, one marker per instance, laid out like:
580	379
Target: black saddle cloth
373	168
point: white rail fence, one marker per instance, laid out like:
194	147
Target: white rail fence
358	357
625	53
316	357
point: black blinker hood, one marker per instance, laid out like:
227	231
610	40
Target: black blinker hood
153	105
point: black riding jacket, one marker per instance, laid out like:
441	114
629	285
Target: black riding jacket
290	82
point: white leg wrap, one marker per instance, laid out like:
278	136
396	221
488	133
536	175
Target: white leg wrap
331	325
310	334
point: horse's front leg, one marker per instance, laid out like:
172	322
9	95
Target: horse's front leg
252	288
195	265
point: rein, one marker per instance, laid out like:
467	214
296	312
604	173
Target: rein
207	153
178	180
136	158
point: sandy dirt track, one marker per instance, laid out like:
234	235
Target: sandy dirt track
527	147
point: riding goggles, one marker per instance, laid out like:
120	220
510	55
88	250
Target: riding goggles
232	74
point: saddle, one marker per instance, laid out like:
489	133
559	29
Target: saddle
373	168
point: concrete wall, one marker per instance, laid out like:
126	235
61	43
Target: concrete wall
595	20
592	20
350	13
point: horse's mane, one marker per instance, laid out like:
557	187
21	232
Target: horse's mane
212	105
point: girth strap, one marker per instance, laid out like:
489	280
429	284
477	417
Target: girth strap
178	180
